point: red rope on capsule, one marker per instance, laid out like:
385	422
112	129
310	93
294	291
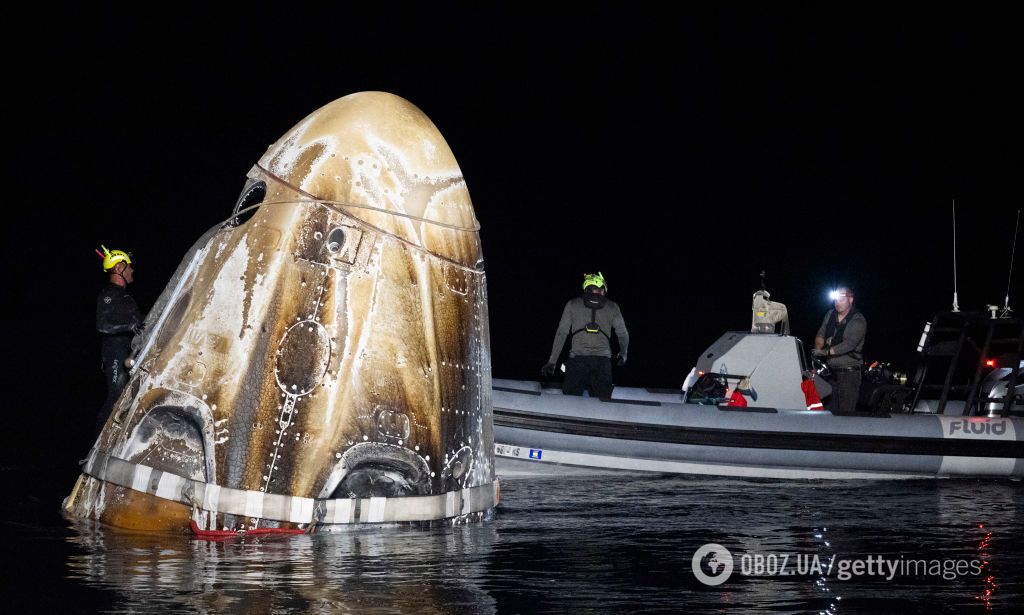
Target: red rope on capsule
229	534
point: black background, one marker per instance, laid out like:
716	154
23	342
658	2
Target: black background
679	155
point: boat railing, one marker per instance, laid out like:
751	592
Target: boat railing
957	351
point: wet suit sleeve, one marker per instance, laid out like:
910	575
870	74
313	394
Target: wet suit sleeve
853	336
621	334
120	315
564	329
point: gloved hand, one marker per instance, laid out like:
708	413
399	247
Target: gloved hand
819	352
548	370
621	359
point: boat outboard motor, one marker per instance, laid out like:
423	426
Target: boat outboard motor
767	314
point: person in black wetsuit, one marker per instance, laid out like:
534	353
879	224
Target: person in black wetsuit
840	343
118	319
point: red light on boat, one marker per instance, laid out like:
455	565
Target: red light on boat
990	362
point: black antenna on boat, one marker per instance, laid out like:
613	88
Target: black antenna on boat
956	307
1005	313
763	271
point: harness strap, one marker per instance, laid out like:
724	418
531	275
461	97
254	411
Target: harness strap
593	320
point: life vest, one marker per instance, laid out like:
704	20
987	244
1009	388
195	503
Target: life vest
834	330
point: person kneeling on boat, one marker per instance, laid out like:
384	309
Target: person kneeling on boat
840	342
589	320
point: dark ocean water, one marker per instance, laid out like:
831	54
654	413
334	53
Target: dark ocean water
604	544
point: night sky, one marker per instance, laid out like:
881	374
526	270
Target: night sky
680	156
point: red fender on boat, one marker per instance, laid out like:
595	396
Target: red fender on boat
811	395
738	400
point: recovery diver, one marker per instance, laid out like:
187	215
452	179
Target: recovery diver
118	319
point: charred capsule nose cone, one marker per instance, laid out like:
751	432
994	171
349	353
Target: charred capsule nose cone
331	338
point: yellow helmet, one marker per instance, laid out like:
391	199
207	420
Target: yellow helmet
113	257
594	279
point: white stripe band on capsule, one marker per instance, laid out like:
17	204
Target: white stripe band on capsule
295	509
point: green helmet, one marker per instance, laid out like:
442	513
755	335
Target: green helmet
112	257
594	279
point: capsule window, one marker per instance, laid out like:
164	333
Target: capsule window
335	240
245	208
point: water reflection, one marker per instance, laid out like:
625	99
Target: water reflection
986	514
372	569
618	544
